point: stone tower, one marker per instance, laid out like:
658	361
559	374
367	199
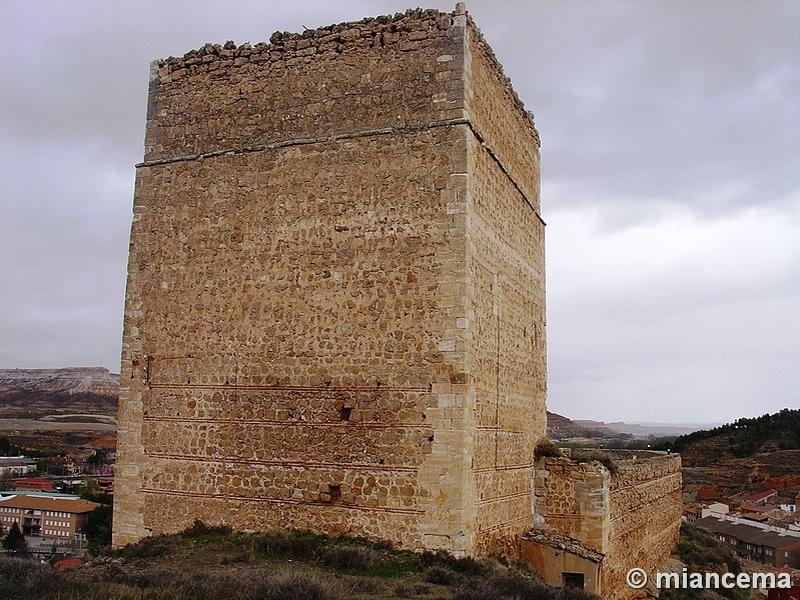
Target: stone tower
335	312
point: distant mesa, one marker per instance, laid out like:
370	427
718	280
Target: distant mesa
71	380
35	393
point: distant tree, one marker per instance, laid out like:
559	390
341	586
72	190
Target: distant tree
98	528
747	436
97	459
90	490
7	448
15	542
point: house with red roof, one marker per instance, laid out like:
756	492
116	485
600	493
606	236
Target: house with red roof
39	484
48	517
759	497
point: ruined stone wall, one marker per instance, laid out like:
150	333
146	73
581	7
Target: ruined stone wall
574	499
297	334
631	515
644	519
339	80
505	272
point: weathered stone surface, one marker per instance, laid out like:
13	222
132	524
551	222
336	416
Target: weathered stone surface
632	516
335	306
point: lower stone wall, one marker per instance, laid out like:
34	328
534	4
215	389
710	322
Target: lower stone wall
629	513
645	516
558	566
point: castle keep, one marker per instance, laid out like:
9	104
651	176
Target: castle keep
335	305
335	312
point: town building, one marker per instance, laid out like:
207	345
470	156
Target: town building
60	466
763	545
759	497
105	448
16	466
708	493
34	483
786	504
715	509
691	511
57	518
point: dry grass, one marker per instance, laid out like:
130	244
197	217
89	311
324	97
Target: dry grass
591	455
547	449
213	563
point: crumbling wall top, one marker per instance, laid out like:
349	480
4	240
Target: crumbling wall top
486	49
402	32
388	30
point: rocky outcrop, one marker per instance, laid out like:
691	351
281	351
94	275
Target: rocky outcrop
32	393
560	427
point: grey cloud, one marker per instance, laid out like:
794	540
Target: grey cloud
645	98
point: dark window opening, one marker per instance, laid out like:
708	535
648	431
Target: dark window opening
572	580
344	413
336	493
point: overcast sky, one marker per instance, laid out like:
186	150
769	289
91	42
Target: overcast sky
671	184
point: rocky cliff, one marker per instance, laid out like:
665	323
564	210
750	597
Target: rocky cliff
33	393
560	427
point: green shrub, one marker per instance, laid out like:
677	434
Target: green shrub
149	547
701	551
98	529
296	545
361	586
515	586
402	590
14	542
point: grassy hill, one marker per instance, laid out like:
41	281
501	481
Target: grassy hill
745	437
212	563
